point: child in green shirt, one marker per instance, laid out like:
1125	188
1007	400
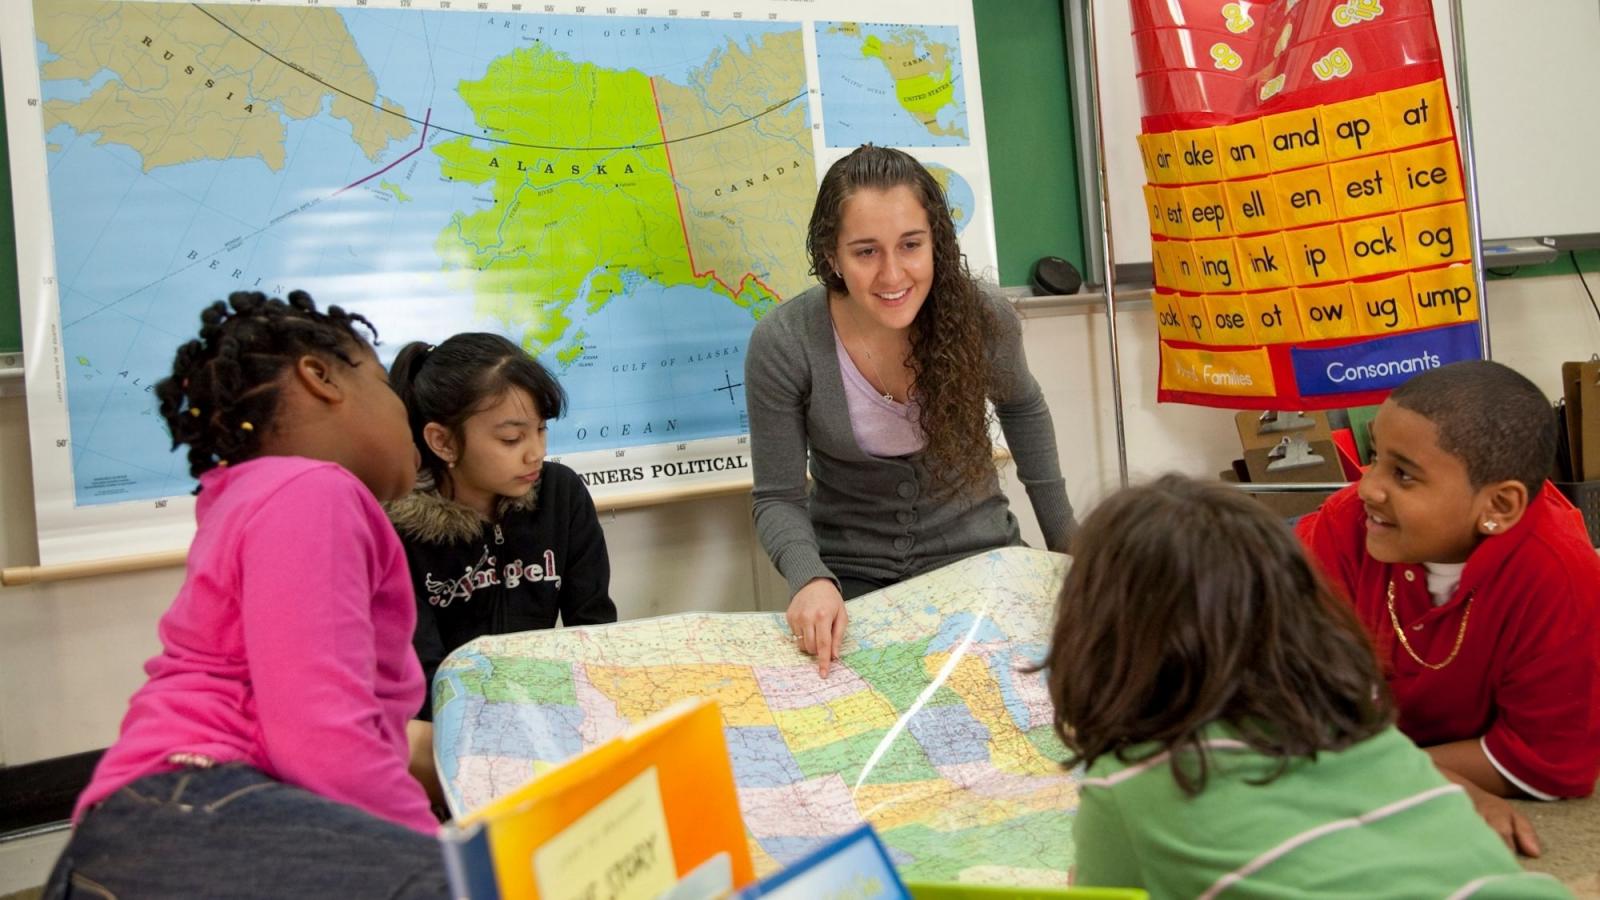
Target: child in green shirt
1237	733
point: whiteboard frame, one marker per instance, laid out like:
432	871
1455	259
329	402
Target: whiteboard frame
1136	270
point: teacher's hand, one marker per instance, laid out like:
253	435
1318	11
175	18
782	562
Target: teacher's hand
817	619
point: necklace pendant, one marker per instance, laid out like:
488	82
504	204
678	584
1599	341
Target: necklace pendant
888	396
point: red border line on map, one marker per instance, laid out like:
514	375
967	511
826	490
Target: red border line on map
425	117
684	223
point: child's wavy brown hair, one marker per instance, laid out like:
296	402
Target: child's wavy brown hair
1188	603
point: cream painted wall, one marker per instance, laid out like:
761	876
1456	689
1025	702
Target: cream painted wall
71	653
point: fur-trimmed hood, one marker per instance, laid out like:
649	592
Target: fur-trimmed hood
426	515
541	561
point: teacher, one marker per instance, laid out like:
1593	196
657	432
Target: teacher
883	372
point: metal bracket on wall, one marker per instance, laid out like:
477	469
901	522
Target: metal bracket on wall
10	374
1086	96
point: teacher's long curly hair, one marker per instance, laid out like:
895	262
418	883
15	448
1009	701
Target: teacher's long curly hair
952	333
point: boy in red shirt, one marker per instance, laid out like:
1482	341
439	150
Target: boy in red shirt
1478	585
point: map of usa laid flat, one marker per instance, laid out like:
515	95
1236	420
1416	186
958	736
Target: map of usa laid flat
931	728
622	196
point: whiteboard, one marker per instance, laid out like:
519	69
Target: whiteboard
1534	86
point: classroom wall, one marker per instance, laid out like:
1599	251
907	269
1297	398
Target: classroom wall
71	652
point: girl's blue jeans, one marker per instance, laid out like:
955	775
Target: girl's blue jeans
229	831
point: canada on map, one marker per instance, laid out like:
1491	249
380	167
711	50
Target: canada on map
622	196
932	726
895	85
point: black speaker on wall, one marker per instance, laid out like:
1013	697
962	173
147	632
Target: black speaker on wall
1053	275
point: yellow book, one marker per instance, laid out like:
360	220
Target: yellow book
648	813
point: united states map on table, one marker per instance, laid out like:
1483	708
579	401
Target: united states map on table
931	727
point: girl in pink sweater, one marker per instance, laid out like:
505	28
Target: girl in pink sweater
266	754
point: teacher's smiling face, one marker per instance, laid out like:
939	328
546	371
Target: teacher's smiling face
885	256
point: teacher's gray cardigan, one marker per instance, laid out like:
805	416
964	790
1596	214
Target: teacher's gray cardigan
872	517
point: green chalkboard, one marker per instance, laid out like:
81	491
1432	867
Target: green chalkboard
10	302
1027	110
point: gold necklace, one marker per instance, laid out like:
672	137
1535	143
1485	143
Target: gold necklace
881	380
886	395
1400	633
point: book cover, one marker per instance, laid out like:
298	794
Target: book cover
854	865
631	818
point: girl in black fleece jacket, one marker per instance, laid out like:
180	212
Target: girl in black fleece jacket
498	539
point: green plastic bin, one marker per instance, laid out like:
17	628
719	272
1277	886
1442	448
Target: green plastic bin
924	890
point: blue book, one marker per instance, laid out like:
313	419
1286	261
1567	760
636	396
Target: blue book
854	865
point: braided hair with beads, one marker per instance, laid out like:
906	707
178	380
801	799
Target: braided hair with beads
223	392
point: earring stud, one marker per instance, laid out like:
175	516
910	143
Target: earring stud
1490	526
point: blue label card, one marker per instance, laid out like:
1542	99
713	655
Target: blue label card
852	867
1382	363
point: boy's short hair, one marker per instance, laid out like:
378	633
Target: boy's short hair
1490	417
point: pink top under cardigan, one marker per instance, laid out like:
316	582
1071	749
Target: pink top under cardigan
884	427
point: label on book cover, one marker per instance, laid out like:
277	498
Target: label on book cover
619	850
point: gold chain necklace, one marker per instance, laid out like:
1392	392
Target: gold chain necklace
886	395
1400	633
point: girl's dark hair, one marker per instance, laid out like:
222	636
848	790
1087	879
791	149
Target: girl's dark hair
223	391
450	382
952	333
1188	603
